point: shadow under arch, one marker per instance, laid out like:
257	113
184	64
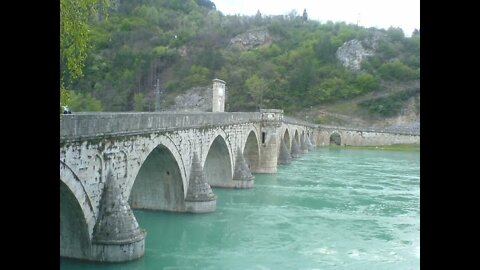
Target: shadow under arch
296	137
74	236
158	184
335	138
251	151
218	165
286	140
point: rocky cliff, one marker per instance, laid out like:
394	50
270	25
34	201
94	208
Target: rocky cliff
353	52
250	39
196	99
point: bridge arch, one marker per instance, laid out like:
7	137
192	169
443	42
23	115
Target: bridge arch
218	163
147	149
77	217
335	138
286	140
251	151
296	137
159	183
74	236
73	182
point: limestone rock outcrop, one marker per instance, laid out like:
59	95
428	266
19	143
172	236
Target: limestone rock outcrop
250	39
352	53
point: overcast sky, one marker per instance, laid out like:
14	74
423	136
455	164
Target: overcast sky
368	13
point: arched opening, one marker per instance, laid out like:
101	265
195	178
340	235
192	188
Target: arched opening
74	238
286	139
335	139
250	152
158	185
296	137
218	168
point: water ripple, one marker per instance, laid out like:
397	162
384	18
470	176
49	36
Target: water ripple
329	209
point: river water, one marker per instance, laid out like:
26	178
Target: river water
332	208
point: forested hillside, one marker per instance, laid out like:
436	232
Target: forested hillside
287	61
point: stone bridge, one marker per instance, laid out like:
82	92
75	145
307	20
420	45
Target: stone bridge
113	162
364	136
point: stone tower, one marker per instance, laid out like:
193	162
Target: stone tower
218	100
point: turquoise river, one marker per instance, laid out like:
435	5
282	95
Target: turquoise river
332	208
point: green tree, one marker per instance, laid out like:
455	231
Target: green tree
396	70
84	102
416	33
74	38
138	102
256	88
366	82
325	50
395	33
206	3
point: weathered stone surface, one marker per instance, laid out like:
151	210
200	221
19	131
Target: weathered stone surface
308	143
198	188
199	207
74	235
242	172
303	145
117	253
116	235
116	223
312	141
158	184
295	149
272	120
218	96
359	137
284	157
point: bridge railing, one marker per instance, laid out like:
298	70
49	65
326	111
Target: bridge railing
80	125
85	125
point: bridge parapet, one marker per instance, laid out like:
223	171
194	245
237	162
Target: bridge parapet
87	125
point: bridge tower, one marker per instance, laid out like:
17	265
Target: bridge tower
272	120
218	100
